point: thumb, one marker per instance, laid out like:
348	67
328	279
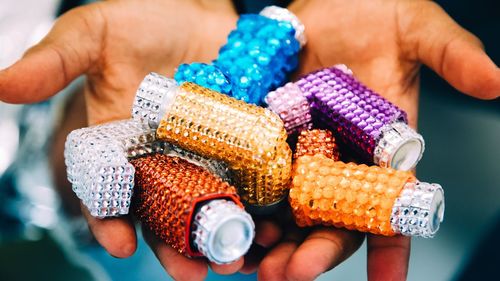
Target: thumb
70	49
434	38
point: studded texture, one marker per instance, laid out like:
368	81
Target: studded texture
250	139
97	164
258	55
312	142
369	199
329	192
359	116
292	107
167	192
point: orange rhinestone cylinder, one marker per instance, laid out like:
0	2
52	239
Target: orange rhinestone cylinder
312	142
250	139
166	194
329	192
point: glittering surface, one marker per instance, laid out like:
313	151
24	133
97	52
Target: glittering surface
97	164
257	57
329	192
358	115
250	139
292	107
212	237
153	98
419	209
312	142
166	193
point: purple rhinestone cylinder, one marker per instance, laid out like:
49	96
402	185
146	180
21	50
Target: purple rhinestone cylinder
371	125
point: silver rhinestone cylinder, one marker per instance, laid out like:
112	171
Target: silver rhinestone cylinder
419	210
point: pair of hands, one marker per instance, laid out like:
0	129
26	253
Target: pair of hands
116	43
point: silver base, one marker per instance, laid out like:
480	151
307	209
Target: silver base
153	98
399	147
419	210
222	231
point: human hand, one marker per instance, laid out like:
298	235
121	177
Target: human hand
384	43
115	44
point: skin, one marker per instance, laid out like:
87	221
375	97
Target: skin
116	43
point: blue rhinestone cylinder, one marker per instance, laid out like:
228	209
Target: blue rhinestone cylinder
257	57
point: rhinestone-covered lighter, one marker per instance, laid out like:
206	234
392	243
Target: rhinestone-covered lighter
363	119
257	57
369	199
97	164
191	209
250	139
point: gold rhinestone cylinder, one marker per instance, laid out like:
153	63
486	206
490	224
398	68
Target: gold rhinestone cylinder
167	190
329	192
250	139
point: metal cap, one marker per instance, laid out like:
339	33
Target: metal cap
222	231
153	98
399	147
282	14
419	210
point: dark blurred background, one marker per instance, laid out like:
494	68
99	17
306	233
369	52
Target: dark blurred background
40	242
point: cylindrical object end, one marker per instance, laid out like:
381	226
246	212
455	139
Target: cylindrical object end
152	99
399	147
223	232
419	210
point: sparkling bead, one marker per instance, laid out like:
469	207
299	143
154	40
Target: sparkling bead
363	119
164	204
251	140
258	55
370	199
97	160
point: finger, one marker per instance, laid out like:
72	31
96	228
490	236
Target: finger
430	35
253	258
116	235
383	251
179	267
322	250
273	266
267	233
70	49
226	269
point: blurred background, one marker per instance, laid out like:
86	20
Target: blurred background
43	238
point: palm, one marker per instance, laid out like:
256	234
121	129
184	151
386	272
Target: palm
115	43
136	38
383	43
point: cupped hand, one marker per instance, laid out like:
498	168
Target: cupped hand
115	44
384	42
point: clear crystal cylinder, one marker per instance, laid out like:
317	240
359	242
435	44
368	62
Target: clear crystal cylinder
257	57
171	199
358	197
97	161
250	139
